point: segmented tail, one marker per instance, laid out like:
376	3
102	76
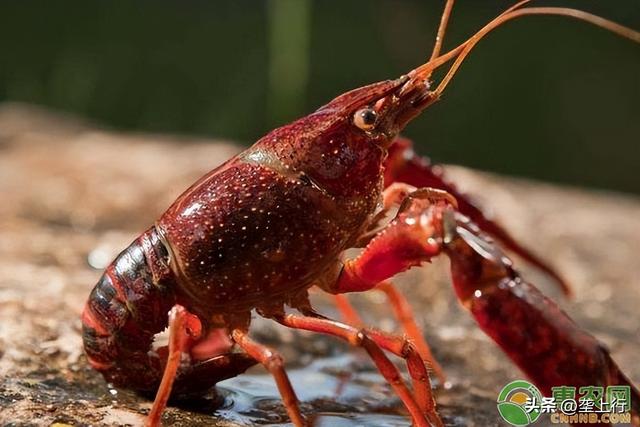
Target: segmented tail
126	308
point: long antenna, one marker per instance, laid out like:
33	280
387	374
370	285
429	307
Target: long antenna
444	20
467	46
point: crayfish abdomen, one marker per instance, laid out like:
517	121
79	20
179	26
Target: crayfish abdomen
126	309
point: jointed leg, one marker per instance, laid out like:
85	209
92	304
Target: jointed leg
184	328
393	196
275	365
405	316
402	347
347	311
359	338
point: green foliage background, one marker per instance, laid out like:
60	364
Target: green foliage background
543	97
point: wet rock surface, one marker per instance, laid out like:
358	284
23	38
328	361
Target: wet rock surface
73	196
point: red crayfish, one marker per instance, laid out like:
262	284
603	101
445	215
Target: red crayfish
260	230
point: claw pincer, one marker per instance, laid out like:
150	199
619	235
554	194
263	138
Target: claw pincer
532	330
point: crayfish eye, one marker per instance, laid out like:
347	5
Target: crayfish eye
365	118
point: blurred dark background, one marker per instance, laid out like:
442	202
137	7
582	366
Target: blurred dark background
543	97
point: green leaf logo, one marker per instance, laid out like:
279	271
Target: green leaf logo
512	401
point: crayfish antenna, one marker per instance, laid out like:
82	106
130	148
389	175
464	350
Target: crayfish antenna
444	20
462	51
512	14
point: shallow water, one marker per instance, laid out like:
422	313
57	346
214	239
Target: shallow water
340	391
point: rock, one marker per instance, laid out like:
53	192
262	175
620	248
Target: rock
74	195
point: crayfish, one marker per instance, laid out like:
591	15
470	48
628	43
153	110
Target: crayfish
263	228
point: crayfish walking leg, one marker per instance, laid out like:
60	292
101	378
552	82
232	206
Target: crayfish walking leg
373	342
184	329
405	316
273	362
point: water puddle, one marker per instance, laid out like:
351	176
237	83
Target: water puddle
340	391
